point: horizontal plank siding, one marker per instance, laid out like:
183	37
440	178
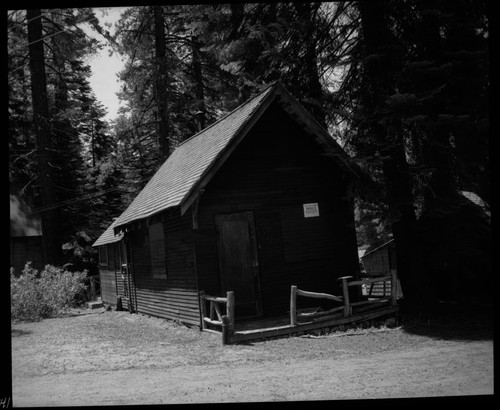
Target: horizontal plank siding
108	286
377	289
272	173
115	276
120	290
174	295
207	255
379	262
111	256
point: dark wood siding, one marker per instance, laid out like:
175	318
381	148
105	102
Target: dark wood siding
381	261
120	278
110	275
111	257
108	286
273	172
176	296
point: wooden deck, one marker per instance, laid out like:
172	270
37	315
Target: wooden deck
219	316
261	323
280	326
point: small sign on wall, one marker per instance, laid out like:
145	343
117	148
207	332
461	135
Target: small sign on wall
311	210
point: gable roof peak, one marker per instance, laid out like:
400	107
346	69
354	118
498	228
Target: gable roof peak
228	114
193	163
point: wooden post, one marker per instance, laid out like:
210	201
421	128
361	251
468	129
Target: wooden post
92	289
230	311
293	306
345	291
394	287
212	309
225	330
202	309
119	304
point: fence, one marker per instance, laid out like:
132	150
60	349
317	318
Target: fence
217	313
347	306
220	314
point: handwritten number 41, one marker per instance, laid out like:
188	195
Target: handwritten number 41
5	402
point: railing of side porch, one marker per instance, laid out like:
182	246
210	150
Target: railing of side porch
347	306
218	312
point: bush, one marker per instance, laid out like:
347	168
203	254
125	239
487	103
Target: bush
35	296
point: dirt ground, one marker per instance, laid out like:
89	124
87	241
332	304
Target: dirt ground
97	357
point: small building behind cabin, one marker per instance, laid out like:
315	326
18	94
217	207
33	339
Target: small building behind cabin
26	241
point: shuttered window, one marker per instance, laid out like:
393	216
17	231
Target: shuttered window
157	250
103	255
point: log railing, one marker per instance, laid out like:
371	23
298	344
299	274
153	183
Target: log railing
347	305
220	313
312	315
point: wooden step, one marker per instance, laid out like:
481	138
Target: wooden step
94	305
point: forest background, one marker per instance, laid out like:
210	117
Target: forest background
403	86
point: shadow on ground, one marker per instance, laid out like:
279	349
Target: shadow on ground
19	332
451	321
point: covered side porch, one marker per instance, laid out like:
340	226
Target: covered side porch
217	313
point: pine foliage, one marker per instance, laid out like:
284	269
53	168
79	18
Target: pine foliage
410	104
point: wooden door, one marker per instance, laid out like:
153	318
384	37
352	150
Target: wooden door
238	262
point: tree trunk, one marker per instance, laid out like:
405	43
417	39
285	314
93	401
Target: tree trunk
237	15
49	217
436	149
381	64
312	84
199	88
161	81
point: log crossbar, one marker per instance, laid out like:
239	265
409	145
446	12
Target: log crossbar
369	281
392	297
299	292
215	315
318	295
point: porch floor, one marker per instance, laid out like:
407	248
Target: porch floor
242	325
279	325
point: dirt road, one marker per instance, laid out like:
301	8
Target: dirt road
120	359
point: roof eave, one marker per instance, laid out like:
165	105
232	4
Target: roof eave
377	248
125	226
109	242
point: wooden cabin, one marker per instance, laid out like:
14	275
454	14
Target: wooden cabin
254	203
380	260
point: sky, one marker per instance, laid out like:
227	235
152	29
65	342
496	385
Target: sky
104	80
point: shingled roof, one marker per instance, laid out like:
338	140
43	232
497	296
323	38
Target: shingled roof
108	236
192	164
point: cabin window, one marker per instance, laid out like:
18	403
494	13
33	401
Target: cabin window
103	255
157	250
116	256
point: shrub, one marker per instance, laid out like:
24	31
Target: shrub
37	295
